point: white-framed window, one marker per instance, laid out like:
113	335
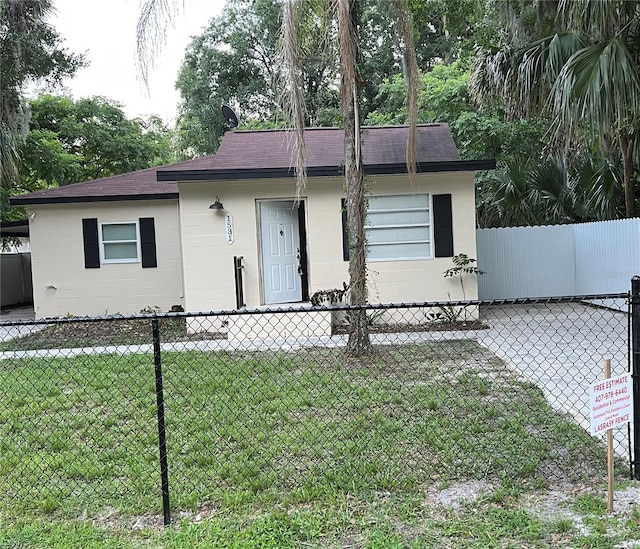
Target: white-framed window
119	243
398	227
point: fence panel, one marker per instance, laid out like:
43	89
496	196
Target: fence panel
526	262
607	255
559	260
275	410
77	422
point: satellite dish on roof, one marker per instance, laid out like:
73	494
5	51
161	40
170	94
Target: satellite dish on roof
229	117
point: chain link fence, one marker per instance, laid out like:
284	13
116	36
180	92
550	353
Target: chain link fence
232	406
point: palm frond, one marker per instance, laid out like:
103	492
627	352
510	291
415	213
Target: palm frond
599	18
537	67
601	186
490	72
412	77
599	85
154	20
292	90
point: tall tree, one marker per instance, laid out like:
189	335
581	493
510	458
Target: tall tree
586	74
347	14
445	30
71	141
444	97
234	62
31	52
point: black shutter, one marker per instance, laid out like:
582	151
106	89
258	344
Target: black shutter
91	245
442	225
148	242
345	230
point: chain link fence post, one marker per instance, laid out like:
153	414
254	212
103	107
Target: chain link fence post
162	439
635	370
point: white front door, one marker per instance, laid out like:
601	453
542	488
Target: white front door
280	237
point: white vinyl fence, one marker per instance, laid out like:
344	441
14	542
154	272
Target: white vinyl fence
559	260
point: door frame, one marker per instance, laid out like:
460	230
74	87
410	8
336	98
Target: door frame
302	229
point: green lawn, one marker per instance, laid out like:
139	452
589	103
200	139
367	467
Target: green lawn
307	448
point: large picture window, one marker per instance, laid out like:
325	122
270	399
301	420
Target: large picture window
398	227
119	243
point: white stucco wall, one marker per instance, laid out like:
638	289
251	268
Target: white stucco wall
208	259
61	283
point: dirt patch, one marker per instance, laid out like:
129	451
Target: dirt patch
427	327
70	334
456	495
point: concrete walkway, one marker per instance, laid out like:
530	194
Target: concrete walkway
561	348
11	314
16	314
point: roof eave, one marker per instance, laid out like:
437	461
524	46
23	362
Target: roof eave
26	201
320	171
16	229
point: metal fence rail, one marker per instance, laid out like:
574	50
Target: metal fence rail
184	410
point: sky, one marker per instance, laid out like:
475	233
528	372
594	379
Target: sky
105	30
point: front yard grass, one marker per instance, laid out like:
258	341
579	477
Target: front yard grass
270	449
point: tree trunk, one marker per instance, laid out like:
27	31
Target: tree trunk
629	184
359	342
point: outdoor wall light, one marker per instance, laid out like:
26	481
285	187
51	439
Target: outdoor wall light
217	205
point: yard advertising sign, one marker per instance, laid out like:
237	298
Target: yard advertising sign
611	403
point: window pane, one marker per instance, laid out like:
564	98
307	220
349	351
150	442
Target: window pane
124	250
399	251
402	234
398	227
398	201
407	217
119	231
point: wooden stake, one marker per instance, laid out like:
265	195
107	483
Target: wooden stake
607	375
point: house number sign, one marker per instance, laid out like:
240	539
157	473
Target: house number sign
228	228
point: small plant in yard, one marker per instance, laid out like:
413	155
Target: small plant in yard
562	525
463	265
449	314
150	309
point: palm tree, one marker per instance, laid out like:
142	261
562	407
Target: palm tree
152	24
347	16
17	20
30	52
587	75
527	191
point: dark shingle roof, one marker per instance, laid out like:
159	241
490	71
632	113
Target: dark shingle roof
140	185
264	154
325	147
